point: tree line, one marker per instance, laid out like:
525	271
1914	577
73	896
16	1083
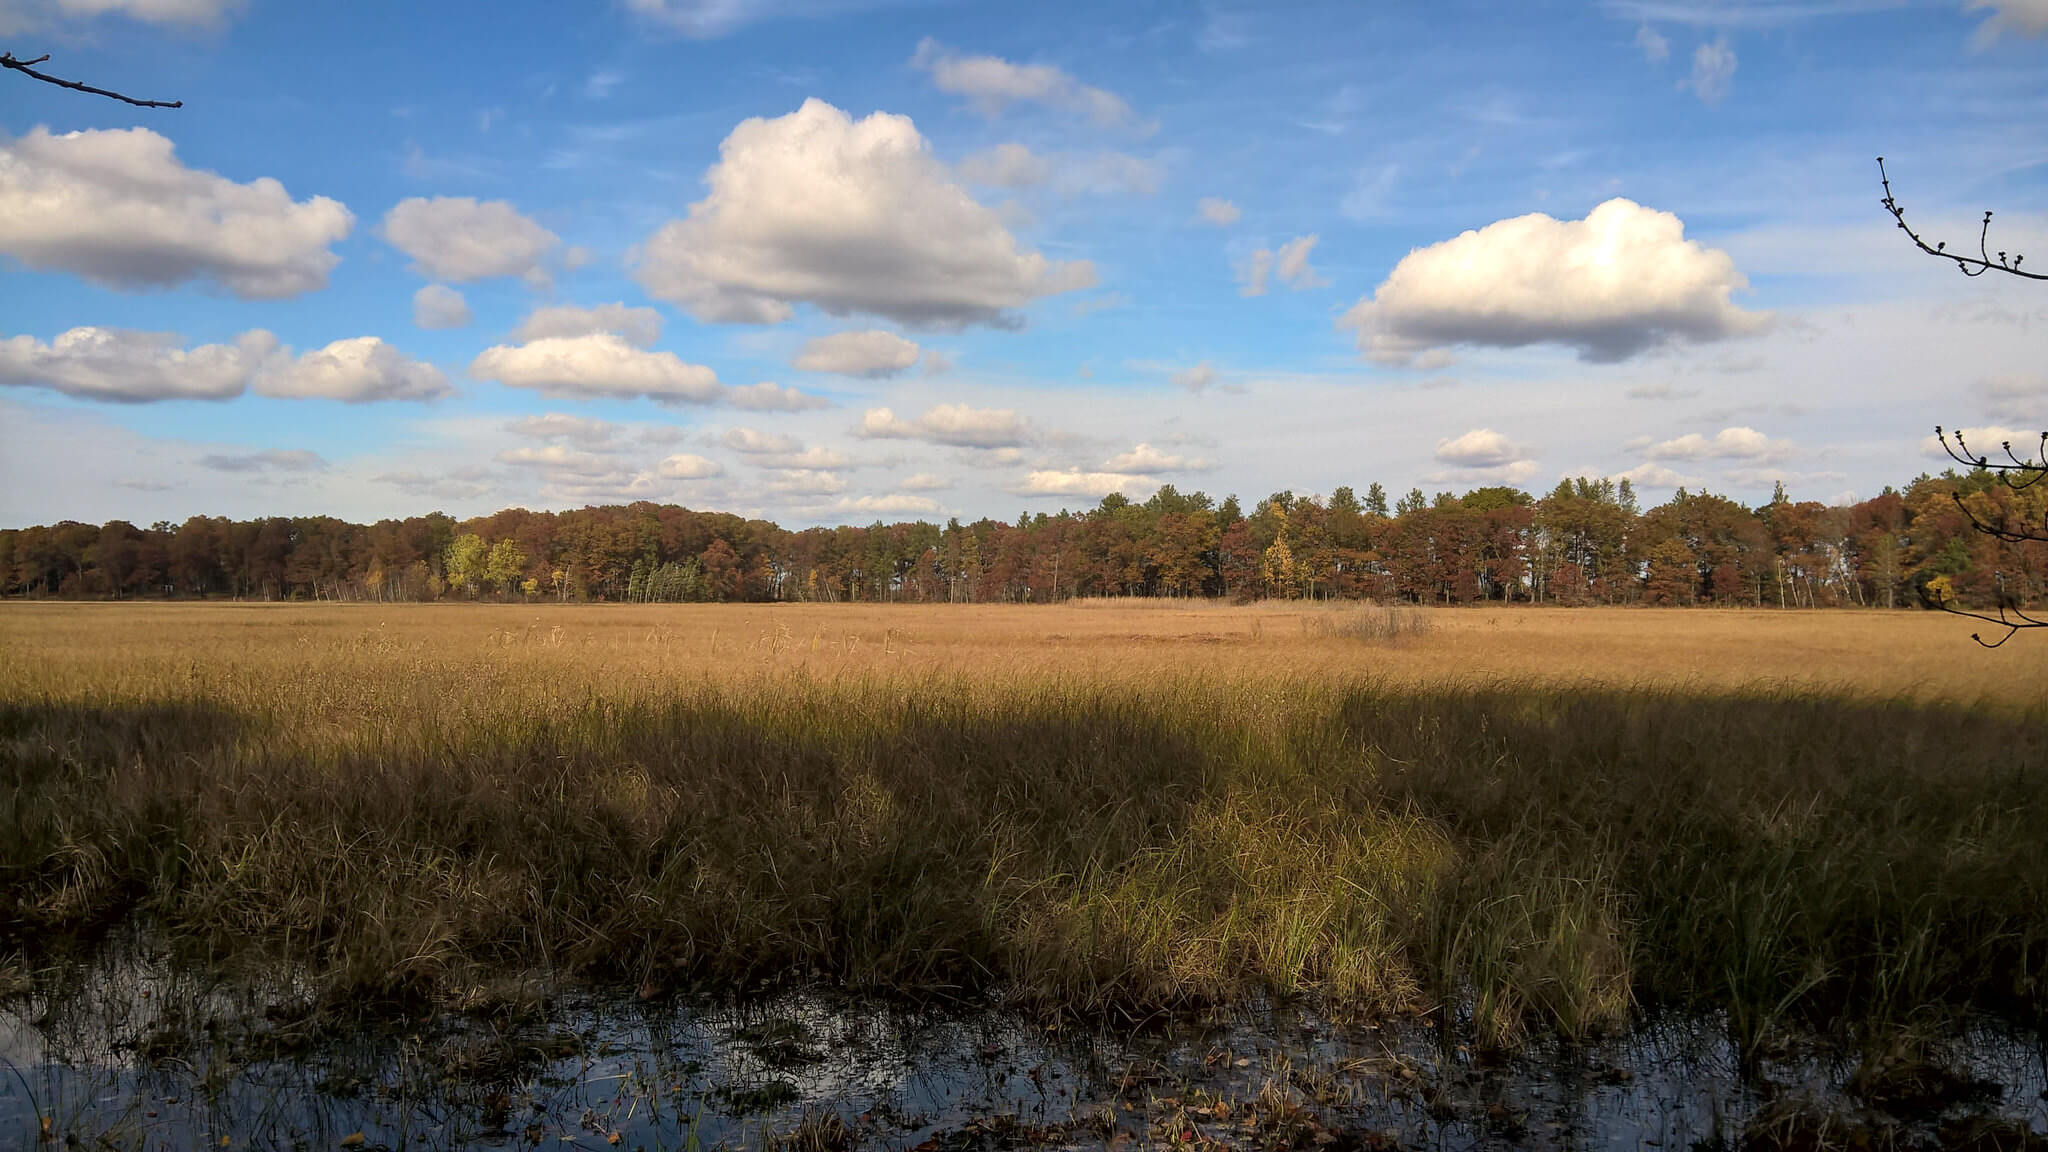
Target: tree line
1584	542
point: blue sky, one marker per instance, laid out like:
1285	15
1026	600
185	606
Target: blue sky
995	258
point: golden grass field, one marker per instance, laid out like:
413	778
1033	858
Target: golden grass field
1924	654
1555	819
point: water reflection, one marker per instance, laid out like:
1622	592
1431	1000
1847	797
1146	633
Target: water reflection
137	1052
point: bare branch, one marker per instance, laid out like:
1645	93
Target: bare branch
1976	265
8	61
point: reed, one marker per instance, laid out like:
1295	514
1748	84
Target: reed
409	812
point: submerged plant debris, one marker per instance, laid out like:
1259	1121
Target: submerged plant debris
141	1053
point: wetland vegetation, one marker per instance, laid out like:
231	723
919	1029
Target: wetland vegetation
1791	831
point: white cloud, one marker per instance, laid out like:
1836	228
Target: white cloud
2026	17
134	367
562	426
1006	166
1713	70
1196	379
1986	442
1146	458
805	482
1290	265
558	459
1655	48
165	13
640	327
1109	174
1478	448
1221	213
753	442
2018	399
439	306
994	83
850	216
1074	482
1654	476
600	364
1621	281
457	484
768	396
872	353
954	424
116	207
684	466
462	239
360	370
699	19
925	482
1253	271
896	502
1727	444
292	460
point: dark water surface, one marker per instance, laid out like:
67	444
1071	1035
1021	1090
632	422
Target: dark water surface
136	1053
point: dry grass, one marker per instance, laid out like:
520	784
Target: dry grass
1823	820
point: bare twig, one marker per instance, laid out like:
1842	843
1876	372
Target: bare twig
1976	265
2010	617
8	61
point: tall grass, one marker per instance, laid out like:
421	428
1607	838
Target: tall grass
411	820
1374	623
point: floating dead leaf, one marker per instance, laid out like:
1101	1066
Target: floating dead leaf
352	1140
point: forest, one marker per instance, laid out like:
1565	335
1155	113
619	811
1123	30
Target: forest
1585	542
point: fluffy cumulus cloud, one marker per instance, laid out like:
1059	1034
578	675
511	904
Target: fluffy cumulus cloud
957	425
1651	475
872	353
359	371
888	504
754	442
925	482
461	239
599	364
1146	458
805	482
2026	17
134	367
1478	448
118	208
439	306
1727	444
850	216
994	83
768	396
1713	70
640	327
1623	280
1075	482
1289	264
276	460
1221	213
684	466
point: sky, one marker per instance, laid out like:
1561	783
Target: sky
835	261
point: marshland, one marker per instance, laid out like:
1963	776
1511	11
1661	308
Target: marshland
1514	842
